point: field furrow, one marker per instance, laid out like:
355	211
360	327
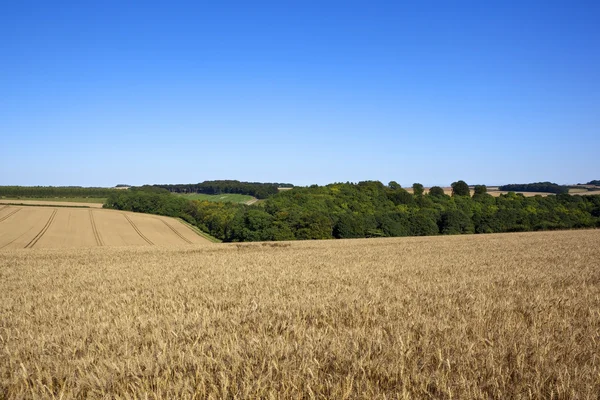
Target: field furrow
45	227
183	231
42	232
71	228
176	232
20	230
158	230
9	214
138	230
95	229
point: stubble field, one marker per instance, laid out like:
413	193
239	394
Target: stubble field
464	317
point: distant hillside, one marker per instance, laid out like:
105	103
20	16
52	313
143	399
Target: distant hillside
255	189
594	182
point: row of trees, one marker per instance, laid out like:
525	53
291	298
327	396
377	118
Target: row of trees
368	209
256	189
546	187
54	191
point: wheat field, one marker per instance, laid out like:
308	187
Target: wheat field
463	317
67	227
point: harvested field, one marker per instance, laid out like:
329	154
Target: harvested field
501	316
50	203
54	227
497	193
578	190
491	190
589	193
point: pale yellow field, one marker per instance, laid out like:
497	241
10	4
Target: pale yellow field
589	193
497	193
49	203
503	316
58	227
491	190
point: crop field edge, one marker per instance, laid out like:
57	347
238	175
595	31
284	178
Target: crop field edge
49	205
199	232
91	200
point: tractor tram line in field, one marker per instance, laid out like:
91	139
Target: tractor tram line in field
14	240
138	230
10	214
97	236
176	232
43	227
11	242
42	232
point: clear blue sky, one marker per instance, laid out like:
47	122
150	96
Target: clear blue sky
107	92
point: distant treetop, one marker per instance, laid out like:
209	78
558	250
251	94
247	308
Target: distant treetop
460	188
436	191
595	182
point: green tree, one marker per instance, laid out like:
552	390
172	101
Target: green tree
394	185
349	225
480	189
401	196
417	189
436	191
460	188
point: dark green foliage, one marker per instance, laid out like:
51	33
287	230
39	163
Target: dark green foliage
401	196
436	191
594	182
146	200
479	190
545	187
256	189
54	191
394	185
457	217
418	189
460	188
349	225
366	209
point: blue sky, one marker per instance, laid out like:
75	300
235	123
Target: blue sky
100	93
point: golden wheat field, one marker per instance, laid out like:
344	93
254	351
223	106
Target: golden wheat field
66	227
504	316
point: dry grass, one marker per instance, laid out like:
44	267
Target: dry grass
465	317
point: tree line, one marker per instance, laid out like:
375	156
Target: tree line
546	187
54	191
256	189
368	209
